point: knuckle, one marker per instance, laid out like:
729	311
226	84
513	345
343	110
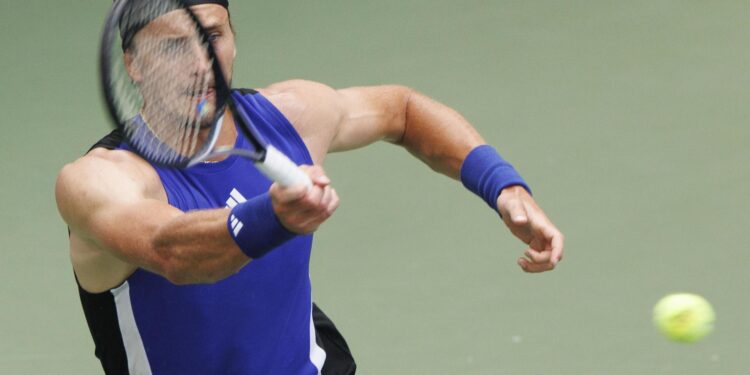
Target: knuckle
296	192
302	202
307	201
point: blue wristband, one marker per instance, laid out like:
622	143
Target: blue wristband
486	174
255	227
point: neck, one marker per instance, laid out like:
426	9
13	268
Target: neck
227	136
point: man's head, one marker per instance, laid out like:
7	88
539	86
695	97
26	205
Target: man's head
164	57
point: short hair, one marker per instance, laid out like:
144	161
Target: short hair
138	13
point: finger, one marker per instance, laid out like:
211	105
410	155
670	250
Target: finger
557	244
522	233
542	231
547	238
317	175
334	203
528	266
287	194
538	257
325	200
311	201
313	220
311	224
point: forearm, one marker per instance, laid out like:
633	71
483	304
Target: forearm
196	247
437	134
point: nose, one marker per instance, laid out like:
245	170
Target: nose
201	63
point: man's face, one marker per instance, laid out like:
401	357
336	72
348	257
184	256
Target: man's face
172	69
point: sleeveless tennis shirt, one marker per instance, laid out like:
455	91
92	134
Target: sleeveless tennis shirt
257	321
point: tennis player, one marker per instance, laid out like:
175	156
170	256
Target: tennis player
206	270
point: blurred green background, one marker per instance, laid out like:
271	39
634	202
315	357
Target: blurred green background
629	119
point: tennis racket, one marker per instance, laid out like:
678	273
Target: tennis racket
165	89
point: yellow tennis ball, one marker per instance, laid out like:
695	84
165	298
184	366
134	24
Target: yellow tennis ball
684	317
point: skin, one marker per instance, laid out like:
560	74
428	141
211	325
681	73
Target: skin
108	195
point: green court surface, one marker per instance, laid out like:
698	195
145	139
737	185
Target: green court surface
628	118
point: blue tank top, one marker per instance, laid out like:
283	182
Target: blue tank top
257	321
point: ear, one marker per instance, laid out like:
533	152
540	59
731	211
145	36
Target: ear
131	66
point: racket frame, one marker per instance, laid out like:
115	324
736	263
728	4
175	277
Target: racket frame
110	34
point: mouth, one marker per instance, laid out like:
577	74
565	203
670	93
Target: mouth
203	106
201	95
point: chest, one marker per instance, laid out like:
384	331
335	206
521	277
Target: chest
213	185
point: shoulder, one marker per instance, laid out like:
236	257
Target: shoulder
300	99
313	109
109	167
297	87
104	176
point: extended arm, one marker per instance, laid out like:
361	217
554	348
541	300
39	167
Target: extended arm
110	207
337	120
119	219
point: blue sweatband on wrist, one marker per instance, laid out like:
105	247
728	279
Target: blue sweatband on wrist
255	227
486	174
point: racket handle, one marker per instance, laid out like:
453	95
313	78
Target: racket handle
278	167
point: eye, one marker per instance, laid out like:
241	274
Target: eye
214	37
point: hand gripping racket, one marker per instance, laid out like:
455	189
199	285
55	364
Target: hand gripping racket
165	89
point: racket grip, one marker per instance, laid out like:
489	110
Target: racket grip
278	167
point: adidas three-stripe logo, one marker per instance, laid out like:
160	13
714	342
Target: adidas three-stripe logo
234	199
236	225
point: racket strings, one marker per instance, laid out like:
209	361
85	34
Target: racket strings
162	92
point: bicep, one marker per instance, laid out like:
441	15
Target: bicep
370	114
331	120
